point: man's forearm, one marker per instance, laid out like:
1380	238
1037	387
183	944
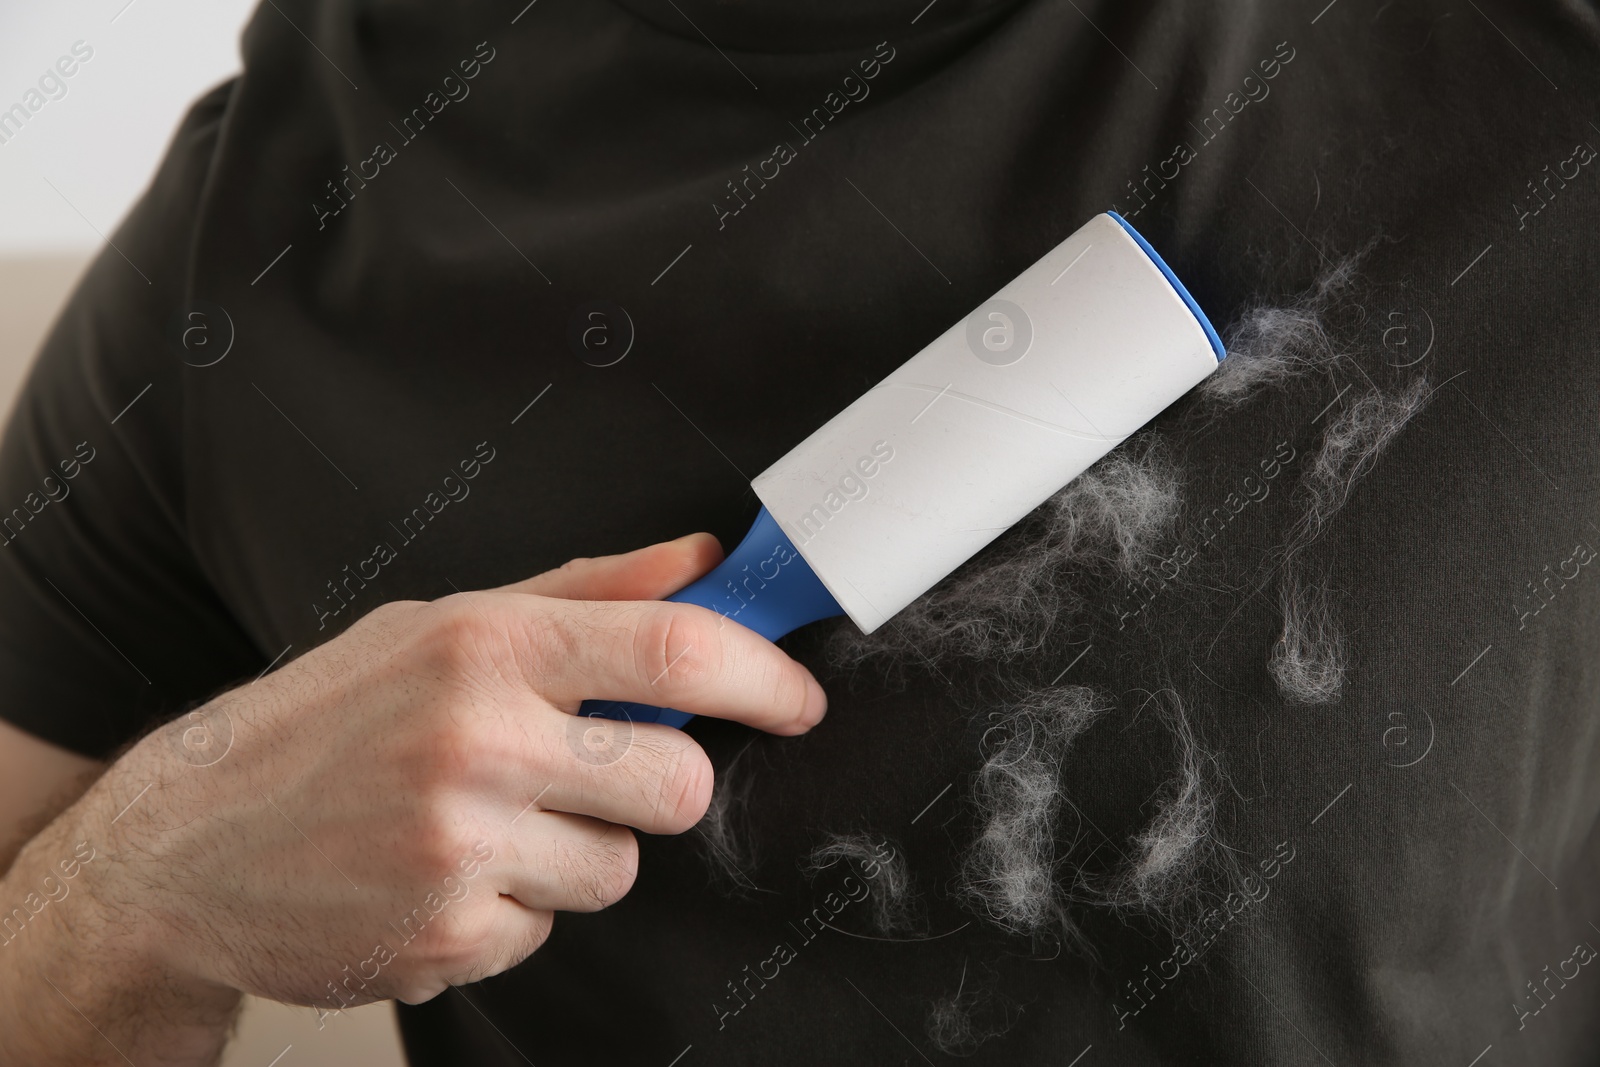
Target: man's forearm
77	985
175	881
38	781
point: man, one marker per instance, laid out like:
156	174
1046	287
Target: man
398	227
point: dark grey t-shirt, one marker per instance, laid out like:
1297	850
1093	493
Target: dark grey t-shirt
368	261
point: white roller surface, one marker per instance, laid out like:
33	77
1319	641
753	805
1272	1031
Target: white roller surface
976	443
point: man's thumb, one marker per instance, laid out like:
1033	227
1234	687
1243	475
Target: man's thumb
648	573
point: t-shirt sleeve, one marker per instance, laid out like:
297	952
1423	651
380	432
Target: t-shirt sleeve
107	620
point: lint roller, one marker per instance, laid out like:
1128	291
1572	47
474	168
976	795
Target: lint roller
963	440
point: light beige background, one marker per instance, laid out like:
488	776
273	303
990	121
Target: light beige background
270	1035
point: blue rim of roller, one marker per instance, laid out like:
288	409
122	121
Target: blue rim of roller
1155	257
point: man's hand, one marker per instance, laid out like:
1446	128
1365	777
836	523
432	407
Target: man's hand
402	809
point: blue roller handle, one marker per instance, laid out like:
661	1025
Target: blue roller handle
764	585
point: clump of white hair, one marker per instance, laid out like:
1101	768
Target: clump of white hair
1308	660
884	866
1010	872
1013	595
1271	344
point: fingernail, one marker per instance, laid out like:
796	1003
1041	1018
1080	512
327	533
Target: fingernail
698	536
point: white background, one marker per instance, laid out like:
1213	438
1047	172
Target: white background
100	143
